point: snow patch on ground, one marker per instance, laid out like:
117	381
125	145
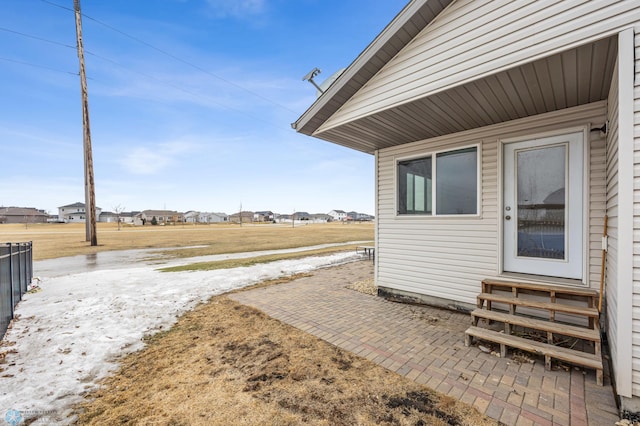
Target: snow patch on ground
72	332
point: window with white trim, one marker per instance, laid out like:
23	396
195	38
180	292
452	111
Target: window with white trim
448	187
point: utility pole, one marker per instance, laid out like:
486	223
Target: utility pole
89	188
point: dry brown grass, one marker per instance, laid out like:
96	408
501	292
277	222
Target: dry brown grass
224	363
58	240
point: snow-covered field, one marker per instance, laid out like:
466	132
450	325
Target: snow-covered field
71	333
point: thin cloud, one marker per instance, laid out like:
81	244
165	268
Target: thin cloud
152	160
236	8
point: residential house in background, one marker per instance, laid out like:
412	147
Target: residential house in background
214	217
191	216
338	215
321	218
162	217
503	133
112	217
359	217
22	215
263	216
301	216
74	213
241	217
205	217
108	217
127	217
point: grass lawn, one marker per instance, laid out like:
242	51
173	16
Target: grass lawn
58	240
225	363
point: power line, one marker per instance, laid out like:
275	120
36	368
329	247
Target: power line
57	43
177	58
37	66
58	5
191	93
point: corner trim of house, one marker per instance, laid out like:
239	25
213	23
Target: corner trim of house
624	298
376	220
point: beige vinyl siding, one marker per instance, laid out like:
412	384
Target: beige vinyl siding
459	46
612	212
447	257
636	220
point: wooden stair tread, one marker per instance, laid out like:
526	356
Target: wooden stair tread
574	291
565	354
550	306
592	335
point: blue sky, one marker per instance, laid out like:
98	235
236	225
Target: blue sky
191	103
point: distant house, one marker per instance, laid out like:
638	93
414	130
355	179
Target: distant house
112	217
162	217
108	217
338	215
205	217
22	215
321	218
74	213
214	217
283	217
244	217
301	216
359	217
191	216
127	217
263	216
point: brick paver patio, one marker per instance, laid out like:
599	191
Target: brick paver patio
427	345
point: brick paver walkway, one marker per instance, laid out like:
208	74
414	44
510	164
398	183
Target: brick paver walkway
427	345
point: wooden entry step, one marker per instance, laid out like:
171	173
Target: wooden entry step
549	351
529	309
551	328
552	307
490	284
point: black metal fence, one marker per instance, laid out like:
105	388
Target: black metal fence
16	272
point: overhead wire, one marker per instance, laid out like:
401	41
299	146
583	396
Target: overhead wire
189	92
36	38
90	53
174	57
15	61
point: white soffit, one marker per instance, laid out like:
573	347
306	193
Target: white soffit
574	77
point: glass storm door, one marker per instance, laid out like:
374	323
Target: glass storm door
542	211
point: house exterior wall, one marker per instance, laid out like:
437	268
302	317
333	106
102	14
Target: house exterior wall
459	46
444	259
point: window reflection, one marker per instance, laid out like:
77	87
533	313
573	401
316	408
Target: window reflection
414	192
456	182
541	181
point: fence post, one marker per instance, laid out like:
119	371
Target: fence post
13	300
30	263
20	278
23	268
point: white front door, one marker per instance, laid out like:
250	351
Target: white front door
542	211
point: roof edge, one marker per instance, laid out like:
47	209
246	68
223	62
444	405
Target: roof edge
393	28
